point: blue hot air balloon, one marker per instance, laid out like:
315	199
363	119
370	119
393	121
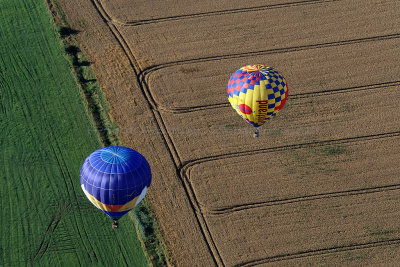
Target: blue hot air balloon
115	179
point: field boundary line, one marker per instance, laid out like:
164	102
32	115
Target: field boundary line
221	12
322	251
126	49
135	66
151	105
161	127
164	132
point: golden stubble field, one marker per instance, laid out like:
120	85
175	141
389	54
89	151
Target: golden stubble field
321	183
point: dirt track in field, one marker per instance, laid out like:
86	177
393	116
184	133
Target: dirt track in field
320	185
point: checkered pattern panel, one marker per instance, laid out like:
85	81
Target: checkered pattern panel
266	84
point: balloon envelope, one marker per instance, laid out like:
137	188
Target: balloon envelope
257	93
115	179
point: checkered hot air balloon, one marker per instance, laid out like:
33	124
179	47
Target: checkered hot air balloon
257	93
115	179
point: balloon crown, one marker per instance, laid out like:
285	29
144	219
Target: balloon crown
258	67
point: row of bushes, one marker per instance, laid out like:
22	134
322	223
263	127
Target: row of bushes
99	111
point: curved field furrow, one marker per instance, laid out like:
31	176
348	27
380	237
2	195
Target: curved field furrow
160	126
330	167
120	6
148	70
306	73
292	96
319	252
304	121
190	164
306	189
125	47
237	208
313	226
213	196
268	30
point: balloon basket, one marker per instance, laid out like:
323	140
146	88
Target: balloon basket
115	224
256	134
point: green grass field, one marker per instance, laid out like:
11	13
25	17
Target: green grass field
45	134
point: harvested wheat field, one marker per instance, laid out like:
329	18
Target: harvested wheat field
320	186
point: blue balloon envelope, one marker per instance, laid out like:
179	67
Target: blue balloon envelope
115	179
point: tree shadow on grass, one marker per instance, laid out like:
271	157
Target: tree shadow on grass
67	31
85	81
72	50
77	63
83	64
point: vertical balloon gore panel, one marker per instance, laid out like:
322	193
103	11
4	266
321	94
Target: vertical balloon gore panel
115	179
257	93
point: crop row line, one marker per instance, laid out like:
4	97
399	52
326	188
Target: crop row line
68	181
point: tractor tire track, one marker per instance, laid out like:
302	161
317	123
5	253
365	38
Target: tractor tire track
148	96
163	131
146	71
220	12
46	240
317	252
292	97
190	164
182	171
186	170
57	151
49	233
69	183
5	96
145	74
360	191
